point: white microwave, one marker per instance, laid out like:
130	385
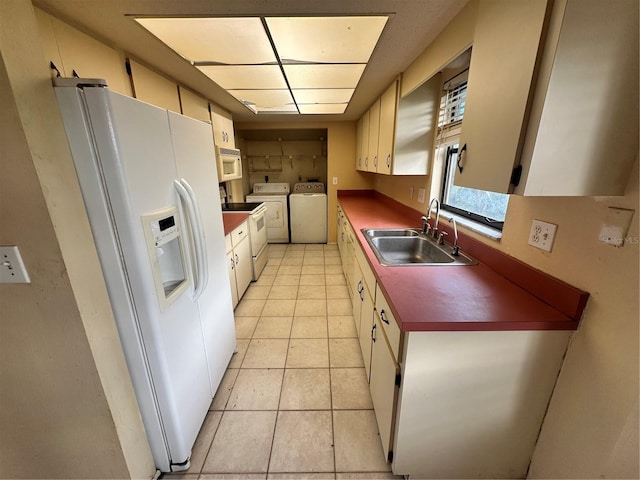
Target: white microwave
229	163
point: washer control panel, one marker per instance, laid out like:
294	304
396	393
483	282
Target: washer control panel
309	187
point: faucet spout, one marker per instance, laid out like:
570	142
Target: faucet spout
435	225
456	247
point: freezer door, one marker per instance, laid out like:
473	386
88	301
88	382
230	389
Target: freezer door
134	156
194	152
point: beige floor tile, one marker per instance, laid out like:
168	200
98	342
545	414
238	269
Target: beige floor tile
245	326
273	327
303	442
312	270
335	279
265	280
233	476
314	247
345	352
286	280
274	261
311	260
266	353
283	292
256	292
309	327
342	326
338	291
241	349
270	270
310	292
332	253
350	389
332	261
275	254
249	308
295	247
305	389
313	254
294	253
330	247
242	443
224	389
292	261
256	389
307	353
203	442
290	270
368	476
277	247
357	443
279	308
301	476
180	476
333	269
339	306
311	307
312	280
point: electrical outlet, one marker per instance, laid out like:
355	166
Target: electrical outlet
421	193
335	180
12	269
542	235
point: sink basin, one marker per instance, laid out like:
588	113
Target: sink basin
398	247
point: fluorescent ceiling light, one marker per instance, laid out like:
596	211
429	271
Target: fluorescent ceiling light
266	63
326	39
233	41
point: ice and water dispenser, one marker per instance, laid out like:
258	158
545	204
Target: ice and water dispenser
166	251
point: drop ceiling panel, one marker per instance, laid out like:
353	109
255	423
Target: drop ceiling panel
326	39
329	95
262	100
326	108
324	76
223	40
252	77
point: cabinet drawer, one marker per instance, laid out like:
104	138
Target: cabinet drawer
239	233
367	274
228	246
388	322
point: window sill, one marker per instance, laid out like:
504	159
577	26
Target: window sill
488	232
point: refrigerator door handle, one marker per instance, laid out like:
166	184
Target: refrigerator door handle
203	255
196	269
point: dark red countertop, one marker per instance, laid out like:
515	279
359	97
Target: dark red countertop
232	220
461	298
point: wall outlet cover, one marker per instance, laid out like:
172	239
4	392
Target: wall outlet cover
12	269
615	227
542	235
421	194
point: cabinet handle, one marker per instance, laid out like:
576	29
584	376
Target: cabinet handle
233	265
461	157
373	333
375	161
388	160
366	162
237	259
382	317
361	291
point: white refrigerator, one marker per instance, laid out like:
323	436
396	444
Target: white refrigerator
149	183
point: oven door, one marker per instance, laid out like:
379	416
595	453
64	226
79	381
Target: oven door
258	229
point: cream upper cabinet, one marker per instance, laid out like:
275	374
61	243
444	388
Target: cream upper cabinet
153	88
388	108
374	132
582	138
505	47
364	141
193	105
222	124
359	159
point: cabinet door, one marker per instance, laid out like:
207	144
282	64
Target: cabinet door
242	253
357	296
388	103
374	131
364	145
222	124
505	48
231	264
359	159
153	88
366	329
383	385
193	105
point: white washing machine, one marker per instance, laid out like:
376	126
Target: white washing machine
275	196
308	213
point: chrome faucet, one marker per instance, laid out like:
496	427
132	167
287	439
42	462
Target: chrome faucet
425	225
435	225
456	247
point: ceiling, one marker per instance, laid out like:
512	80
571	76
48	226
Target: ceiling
412	25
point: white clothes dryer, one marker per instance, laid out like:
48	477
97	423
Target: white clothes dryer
276	198
308	213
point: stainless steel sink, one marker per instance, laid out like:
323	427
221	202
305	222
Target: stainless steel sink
398	247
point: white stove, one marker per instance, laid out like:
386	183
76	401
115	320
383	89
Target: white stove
275	196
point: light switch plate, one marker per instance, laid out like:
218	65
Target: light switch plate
335	180
542	235
615	227
12	267
421	194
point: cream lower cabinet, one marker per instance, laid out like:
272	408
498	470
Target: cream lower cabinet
238	247
363	285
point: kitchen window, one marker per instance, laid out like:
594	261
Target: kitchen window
487	208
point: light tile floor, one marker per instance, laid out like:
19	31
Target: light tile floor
294	403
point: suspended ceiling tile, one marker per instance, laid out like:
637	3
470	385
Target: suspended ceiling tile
324	76
252	77
330	95
263	98
326	39
320	108
225	40
289	109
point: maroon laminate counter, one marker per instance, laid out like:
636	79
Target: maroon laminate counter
232	220
460	298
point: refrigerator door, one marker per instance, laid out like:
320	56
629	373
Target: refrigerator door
133	164
194	153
